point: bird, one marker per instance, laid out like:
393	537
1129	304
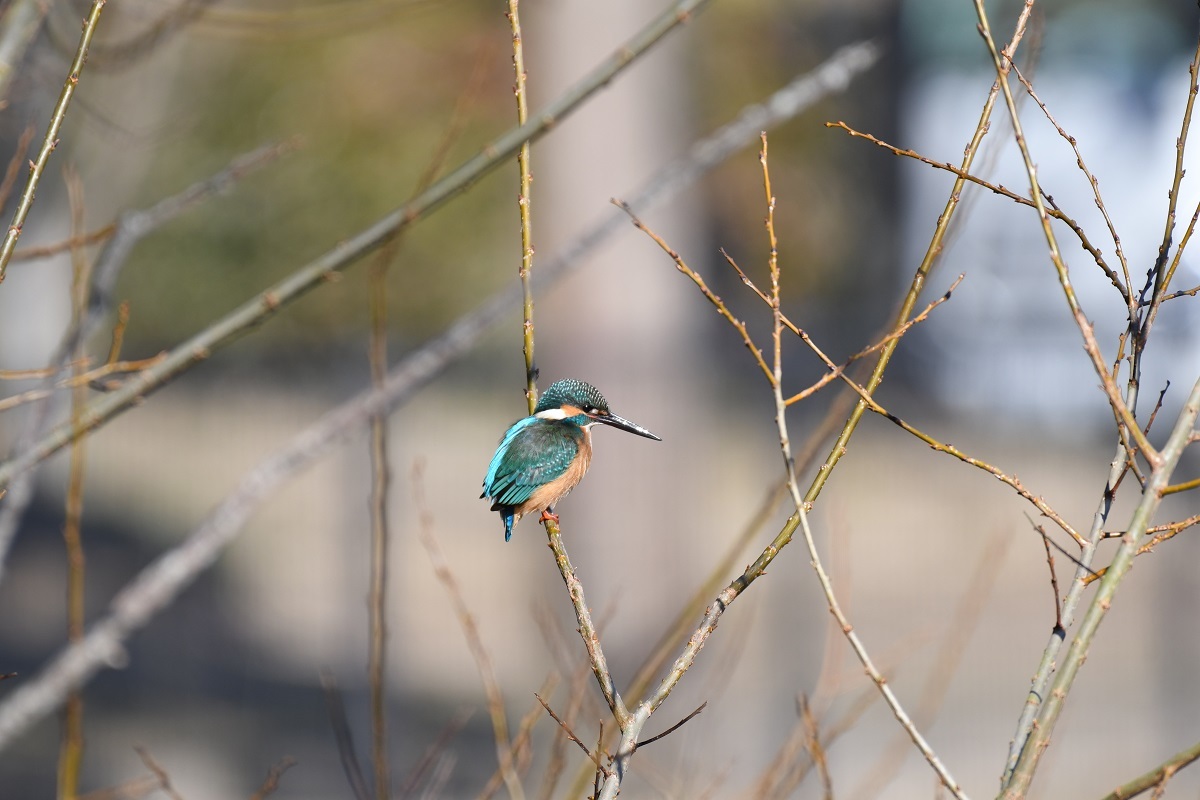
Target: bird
544	456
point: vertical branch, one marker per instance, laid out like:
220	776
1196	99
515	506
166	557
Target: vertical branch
1043	726
1163	273
381	478
918	282
483	661
523	201
50	142
1122	412
71	753
1173	195
785	447
380	462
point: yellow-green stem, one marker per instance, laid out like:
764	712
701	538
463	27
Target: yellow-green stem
523	204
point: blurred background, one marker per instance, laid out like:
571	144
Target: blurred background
937	564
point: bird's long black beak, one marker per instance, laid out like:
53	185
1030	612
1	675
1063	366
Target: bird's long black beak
625	425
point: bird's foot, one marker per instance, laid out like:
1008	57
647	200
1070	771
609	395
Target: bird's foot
548	515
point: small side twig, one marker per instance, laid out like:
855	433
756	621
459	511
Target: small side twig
520	743
1157	776
344	737
164	780
433	751
274	774
1058	626
812	743
1161	533
673	728
571	735
712	296
1095	184
964	176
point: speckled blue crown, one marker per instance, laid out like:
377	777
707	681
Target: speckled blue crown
570	392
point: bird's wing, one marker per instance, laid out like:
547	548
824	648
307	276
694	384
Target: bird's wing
533	452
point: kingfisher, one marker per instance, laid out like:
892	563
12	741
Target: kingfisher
543	457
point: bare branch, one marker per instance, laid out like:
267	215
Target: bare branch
50	140
571	735
1157	776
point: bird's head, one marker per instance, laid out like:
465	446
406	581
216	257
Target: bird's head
581	403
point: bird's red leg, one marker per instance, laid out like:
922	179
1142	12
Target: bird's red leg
548	515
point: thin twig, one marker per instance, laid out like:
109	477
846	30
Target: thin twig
470	629
433	751
274	774
380	535
600	751
962	174
97	236
17	160
50	140
1058	626
673	728
380	462
1051	707
802	513
587	628
557	759
71	754
708	293
1186	486
571	735
344	737
1156	776
1161	533
1161	278
973	600
677	631
524	202
812	743
522	756
866	398
134	789
1124	287
1122	412
440	777
164	780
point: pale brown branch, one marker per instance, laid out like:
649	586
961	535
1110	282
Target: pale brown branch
470	629
164	780
1126	289
1124	416
708	293
274	774
999	189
